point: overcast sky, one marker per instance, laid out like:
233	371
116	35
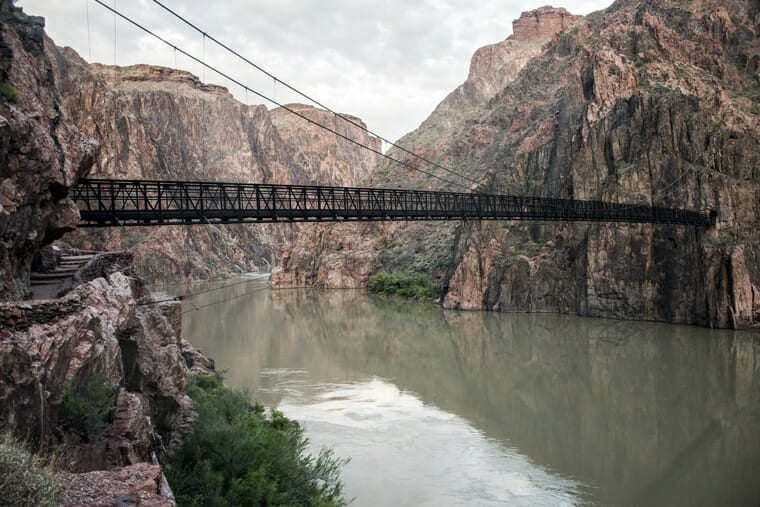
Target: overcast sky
389	62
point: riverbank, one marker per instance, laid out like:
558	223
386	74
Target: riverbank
450	407
101	382
108	330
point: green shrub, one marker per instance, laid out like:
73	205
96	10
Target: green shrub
239	455
86	406
24	480
9	92
415	286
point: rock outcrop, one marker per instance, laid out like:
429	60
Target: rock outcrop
645	102
159	123
42	152
543	23
112	328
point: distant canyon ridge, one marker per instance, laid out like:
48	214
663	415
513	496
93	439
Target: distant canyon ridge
646	102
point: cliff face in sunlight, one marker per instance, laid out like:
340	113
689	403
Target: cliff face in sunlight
158	123
647	102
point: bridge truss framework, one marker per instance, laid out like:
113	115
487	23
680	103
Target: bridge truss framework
113	203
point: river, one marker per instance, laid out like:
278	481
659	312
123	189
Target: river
474	408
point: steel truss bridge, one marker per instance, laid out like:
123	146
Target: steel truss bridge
113	203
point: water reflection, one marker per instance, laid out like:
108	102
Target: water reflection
645	414
405	452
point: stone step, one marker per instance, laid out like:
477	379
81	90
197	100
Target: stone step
55	275
82	258
65	269
46	283
76	265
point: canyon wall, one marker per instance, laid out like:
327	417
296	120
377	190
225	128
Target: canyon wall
646	102
109	329
159	123
42	152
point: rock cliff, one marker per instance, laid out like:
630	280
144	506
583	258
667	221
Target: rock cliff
159	123
110	330
42	152
347	255
541	23
649	102
109	327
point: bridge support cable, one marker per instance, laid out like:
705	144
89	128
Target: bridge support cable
343	117
285	107
114	203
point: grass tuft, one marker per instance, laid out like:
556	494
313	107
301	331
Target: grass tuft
24	479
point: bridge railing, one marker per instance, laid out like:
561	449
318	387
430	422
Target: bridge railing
105	202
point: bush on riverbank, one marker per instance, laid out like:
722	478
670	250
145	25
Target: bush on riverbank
414	286
86	405
24	479
239	455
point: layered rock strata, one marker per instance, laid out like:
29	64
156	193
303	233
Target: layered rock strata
542	23
646	103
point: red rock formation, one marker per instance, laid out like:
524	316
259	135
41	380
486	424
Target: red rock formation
201	133
543	23
102	327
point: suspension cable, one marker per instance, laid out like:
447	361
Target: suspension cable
189	295
313	100
225	300
89	41
283	106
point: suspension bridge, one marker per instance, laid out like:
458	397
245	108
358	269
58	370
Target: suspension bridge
115	203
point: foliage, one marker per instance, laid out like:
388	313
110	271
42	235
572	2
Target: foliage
86	406
9	92
24	480
239	455
414	286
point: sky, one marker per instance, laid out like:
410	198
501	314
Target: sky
388	62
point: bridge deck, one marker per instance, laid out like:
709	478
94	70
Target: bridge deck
108	203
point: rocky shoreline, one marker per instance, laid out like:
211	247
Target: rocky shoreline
109	327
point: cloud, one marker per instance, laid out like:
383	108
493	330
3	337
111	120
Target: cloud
389	62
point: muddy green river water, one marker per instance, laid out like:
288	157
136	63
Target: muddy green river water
469	408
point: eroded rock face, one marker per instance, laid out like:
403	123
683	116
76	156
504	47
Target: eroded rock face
111	327
42	152
646	102
347	255
159	123
543	23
